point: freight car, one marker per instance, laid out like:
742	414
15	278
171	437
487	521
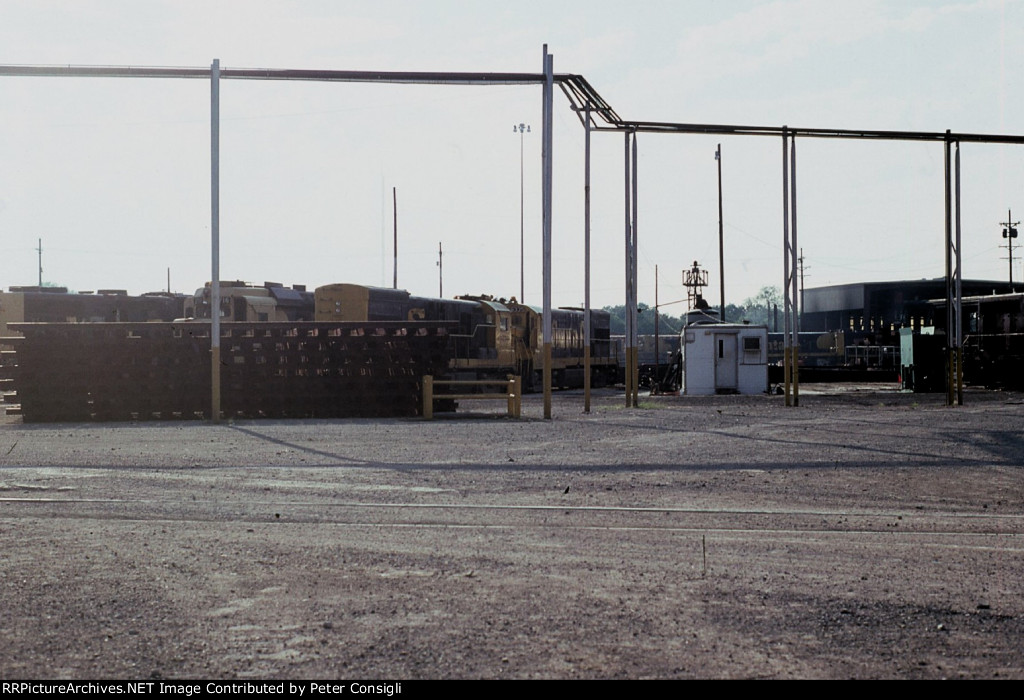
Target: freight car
245	303
492	337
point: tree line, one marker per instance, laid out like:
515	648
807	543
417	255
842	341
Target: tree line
756	310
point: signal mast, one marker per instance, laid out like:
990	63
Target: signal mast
695	279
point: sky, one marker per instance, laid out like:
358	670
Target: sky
113	175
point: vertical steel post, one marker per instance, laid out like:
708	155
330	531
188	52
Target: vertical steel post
786	253
215	241
793	253
958	311
549	83
587	331
950	330
634	310
627	316
721	238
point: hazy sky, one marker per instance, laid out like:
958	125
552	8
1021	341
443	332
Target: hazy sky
113	174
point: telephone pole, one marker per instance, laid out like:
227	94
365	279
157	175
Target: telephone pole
803	267
40	250
1009	233
394	201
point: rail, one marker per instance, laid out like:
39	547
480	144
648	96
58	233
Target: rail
513	393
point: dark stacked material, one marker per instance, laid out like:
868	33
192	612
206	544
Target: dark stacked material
147	371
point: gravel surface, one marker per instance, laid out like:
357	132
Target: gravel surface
864	534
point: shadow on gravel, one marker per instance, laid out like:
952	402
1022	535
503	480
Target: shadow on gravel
865	638
347	461
1008	444
1001	447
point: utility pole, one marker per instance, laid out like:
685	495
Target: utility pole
802	268
40	249
394	201
1009	233
440	273
657	336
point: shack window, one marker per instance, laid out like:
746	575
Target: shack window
752	343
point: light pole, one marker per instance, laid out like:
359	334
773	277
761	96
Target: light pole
721	238
521	128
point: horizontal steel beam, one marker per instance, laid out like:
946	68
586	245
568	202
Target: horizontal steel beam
409	77
881	135
576	88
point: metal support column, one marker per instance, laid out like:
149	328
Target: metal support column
546	140
787	314
721	240
215	241
587	331
795	280
958	331
628	317
950	292
634	309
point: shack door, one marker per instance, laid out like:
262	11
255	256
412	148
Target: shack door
726	370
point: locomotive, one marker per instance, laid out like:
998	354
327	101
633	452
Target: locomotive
58	305
245	303
491	338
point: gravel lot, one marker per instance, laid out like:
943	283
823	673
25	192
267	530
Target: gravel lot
865	534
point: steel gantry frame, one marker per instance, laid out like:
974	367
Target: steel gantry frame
595	115
954	321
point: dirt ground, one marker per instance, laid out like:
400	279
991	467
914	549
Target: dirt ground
868	534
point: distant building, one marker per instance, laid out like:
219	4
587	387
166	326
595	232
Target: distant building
882	307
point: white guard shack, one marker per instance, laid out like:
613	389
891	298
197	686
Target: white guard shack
724	358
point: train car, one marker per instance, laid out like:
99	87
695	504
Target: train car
481	334
656	360
567	345
246	303
815	349
993	346
57	305
492	338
